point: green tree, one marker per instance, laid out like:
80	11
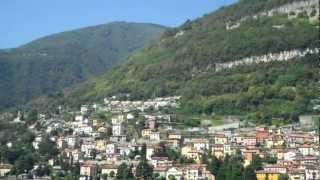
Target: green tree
143	152
214	165
43	170
124	172
232	168
48	148
249	173
256	163
303	14
24	164
171	177
32	116
144	170
313	13
222	170
112	174
104	176
284	177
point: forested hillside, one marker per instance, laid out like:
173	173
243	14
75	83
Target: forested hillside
181	64
47	65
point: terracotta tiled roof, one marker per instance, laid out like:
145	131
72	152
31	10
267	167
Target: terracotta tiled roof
5	166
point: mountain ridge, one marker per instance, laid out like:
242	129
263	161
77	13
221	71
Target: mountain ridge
51	63
260	91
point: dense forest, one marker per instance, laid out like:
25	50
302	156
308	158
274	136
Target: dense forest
180	63
49	64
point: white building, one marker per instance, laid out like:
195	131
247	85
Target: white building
155	136
72	141
87	149
149	152
111	148
118	127
84	109
289	155
312	173
175	172
79	118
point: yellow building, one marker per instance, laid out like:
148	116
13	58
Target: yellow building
173	142
101	145
146	133
95	122
185	150
217	151
220	139
267	175
218	154
191	153
102	129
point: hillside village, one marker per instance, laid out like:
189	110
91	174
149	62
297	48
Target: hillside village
131	132
183	108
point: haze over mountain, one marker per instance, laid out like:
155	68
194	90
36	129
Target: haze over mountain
282	34
52	63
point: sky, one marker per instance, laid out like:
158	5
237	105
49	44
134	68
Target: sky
22	21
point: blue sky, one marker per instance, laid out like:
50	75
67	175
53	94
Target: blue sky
25	20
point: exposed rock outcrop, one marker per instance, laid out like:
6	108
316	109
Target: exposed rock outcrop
308	8
281	56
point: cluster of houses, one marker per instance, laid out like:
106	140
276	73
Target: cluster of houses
101	147
114	105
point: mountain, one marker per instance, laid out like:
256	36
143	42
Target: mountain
47	65
257	58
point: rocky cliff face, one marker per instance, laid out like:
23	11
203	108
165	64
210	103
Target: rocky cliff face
309	8
281	56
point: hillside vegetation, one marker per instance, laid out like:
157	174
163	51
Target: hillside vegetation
49	64
181	64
